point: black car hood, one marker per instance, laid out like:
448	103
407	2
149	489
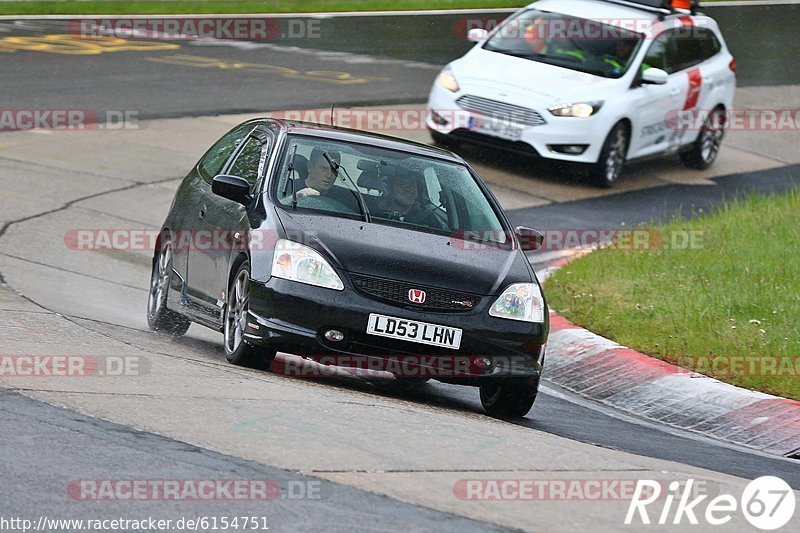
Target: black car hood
396	253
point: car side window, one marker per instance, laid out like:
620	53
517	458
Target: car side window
660	53
711	45
215	158
249	162
694	46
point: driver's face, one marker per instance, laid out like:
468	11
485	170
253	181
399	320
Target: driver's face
320	176
624	49
405	191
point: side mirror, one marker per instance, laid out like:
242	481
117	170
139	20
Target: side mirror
655	76
233	188
477	35
529	238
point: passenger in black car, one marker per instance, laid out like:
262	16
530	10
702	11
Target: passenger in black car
402	202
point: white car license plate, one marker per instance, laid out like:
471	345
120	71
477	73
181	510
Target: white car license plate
495	128
411	330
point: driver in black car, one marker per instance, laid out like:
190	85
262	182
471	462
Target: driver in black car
320	174
402	202
321	178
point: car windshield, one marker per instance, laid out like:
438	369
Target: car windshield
579	44
396	188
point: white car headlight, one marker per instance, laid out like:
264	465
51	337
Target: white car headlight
580	110
447	80
520	301
297	262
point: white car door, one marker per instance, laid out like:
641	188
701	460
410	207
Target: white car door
707	69
657	106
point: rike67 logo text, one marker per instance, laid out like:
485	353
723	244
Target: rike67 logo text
767	503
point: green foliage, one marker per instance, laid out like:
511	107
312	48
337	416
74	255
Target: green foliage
729	306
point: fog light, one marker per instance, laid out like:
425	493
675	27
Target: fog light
571	149
334	335
482	362
439	119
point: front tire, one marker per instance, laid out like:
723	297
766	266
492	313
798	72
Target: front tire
237	350
441	139
704	150
159	318
508	398
611	162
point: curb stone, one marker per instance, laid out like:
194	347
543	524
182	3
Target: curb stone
635	383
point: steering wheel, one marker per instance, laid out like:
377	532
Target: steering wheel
428	216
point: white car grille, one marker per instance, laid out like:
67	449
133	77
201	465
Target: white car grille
501	111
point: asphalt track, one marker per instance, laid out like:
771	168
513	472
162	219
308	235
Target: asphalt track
68	172
392	60
59	445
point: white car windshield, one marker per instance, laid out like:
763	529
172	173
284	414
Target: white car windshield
579	44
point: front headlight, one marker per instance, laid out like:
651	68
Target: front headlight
520	301
447	80
580	110
297	262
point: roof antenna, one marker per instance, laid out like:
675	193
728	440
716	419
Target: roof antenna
332	124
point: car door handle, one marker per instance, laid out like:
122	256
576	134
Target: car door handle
202	213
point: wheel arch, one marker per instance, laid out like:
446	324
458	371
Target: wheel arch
628	123
236	261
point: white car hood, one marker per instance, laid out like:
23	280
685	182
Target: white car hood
525	82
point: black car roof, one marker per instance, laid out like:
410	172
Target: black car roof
358	136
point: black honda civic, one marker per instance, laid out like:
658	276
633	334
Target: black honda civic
352	250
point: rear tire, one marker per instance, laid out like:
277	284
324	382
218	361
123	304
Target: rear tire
508	398
611	162
704	150
237	350
159	318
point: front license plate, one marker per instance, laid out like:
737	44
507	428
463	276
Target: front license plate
411	330
495	128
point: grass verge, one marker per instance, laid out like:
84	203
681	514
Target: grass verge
726	305
114	7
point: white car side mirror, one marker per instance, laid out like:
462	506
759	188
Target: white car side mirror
655	75
477	35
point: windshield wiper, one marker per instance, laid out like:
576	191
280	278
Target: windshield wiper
361	203
511	52
289	179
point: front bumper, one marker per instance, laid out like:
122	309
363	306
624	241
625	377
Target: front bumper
546	140
293	317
